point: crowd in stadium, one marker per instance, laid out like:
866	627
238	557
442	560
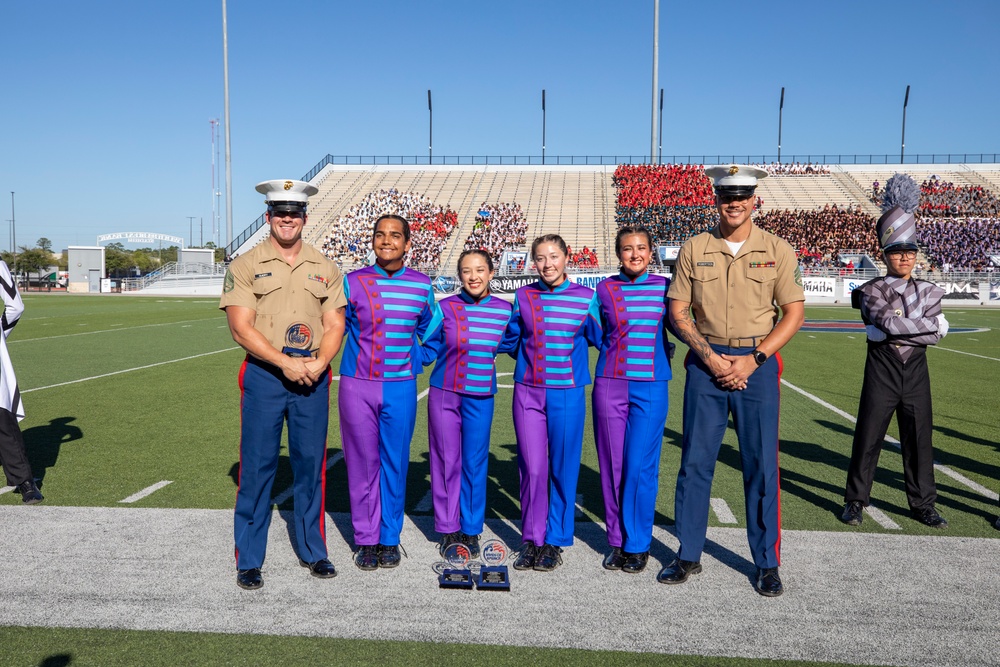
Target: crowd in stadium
350	238
498	227
646	185
954	245
818	235
583	259
940	198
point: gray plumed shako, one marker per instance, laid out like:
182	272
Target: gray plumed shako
897	228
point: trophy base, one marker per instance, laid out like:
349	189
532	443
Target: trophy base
496	578
450	578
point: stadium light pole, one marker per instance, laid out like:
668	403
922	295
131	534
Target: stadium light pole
543	126
902	141
13	231
191	230
781	107
229	161
430	129
656	64
659	153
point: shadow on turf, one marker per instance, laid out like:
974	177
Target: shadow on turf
60	660
43	443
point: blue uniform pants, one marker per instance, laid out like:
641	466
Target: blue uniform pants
628	427
459	442
549	426
376	426
268	399
755	415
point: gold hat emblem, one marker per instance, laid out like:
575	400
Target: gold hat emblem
733	170
289	185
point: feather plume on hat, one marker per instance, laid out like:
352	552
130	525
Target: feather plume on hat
901	191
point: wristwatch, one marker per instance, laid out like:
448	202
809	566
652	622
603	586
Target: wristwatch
759	357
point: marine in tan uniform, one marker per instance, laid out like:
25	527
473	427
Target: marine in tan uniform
284	302
736	280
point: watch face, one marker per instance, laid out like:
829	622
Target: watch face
759	357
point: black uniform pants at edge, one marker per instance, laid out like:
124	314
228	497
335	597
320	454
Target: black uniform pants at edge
13	456
890	386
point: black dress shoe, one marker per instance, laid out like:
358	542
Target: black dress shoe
322	568
448	540
678	571
30	495
614	560
853	513
548	558
927	516
367	557
635	563
388	556
249	579
471	541
526	559
768	582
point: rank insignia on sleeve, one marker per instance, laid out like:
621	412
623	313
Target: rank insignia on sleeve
798	276
228	283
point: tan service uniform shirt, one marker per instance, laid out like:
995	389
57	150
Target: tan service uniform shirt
289	300
736	297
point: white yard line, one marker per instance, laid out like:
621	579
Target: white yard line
90	333
945	470
6	489
139	495
287	493
881	518
128	370
722	511
948	349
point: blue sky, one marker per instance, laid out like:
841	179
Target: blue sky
105	105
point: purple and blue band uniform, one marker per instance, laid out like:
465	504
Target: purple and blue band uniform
630	404
377	399
555	327
463	344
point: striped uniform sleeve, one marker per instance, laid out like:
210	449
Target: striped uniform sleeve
877	309
512	336
13	306
592	329
432	342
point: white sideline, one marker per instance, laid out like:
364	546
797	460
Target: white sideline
948	349
6	489
90	333
943	469
722	511
881	518
139	495
128	370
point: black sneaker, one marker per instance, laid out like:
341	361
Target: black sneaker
448	540
635	563
853	513
548	558
614	560
526	558
388	556
367	557
471	541
30	495
929	517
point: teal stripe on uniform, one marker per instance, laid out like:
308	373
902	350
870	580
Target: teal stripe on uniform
502	322
478	389
485	331
640	334
401	348
648	323
635	287
638	374
405	296
397	334
644	309
561	320
396	362
552	357
561	334
639	362
482	366
397	374
634	348
559	346
484	341
400	308
561	383
479	378
403	283
558	309
548	296
560	371
400	323
479	353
